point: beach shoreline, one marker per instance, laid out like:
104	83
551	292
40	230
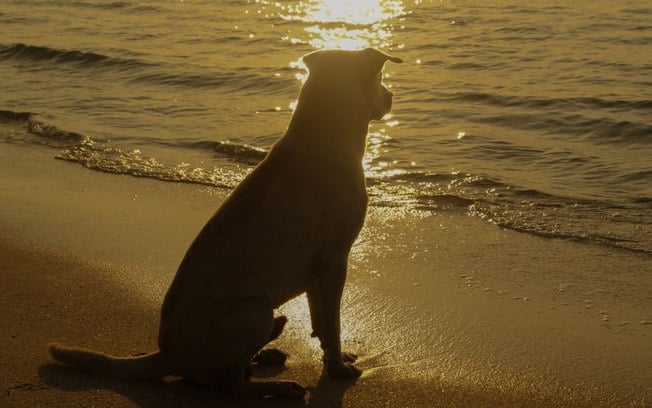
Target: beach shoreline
444	310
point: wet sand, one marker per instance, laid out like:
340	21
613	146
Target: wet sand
444	310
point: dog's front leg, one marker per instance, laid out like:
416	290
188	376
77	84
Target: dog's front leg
324	302
314	304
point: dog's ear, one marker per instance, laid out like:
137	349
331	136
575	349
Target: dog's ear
374	60
310	59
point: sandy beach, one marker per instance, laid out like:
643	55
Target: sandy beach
444	310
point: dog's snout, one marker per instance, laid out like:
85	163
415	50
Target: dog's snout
382	104
389	96
387	93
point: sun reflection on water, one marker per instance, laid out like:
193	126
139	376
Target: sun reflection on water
347	11
344	24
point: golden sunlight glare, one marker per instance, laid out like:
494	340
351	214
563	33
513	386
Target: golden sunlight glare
353	12
346	24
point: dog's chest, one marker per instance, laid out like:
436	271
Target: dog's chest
342	209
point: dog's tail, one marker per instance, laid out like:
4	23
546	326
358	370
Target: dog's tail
148	366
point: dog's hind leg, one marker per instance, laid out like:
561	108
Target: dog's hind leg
272	357
206	341
217	349
240	334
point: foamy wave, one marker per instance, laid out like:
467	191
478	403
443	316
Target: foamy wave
519	209
133	163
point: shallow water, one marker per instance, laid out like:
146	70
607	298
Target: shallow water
534	117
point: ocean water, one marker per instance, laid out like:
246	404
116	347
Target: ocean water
534	116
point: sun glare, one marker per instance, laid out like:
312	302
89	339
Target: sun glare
350	11
345	24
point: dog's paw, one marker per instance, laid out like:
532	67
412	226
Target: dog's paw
349	357
346	357
270	357
343	371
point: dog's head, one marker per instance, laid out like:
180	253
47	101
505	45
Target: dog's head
354	76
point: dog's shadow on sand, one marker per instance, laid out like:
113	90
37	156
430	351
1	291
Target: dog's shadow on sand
177	392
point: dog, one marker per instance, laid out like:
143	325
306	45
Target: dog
285	230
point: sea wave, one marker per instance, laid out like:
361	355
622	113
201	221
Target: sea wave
117	5
595	120
506	101
13	116
34	53
47	134
136	70
508	206
240	80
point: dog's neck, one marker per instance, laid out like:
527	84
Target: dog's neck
337	128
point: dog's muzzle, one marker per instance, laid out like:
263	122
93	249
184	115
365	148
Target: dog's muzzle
383	104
